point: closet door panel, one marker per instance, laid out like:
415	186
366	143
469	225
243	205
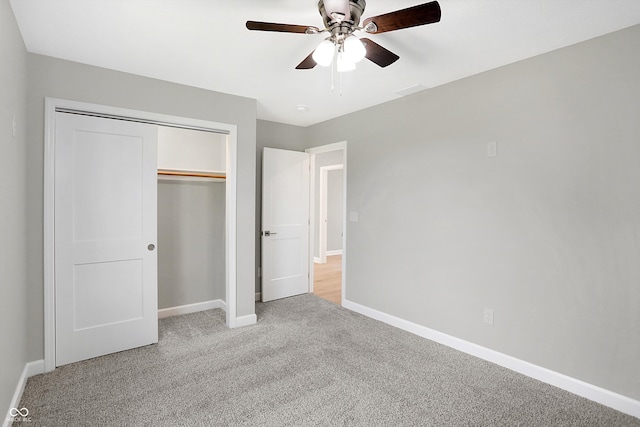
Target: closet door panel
105	236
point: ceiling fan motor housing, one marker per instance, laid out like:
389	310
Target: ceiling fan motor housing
340	25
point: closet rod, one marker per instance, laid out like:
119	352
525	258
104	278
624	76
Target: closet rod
195	174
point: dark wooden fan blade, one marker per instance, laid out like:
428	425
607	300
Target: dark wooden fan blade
281	28
427	13
307	63
378	54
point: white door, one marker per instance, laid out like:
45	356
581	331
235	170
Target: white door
285	223
105	236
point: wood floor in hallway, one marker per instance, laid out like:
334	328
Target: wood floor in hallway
327	279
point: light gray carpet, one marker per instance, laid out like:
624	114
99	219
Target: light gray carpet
307	362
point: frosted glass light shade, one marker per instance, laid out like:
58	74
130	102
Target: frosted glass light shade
345	63
323	55
354	49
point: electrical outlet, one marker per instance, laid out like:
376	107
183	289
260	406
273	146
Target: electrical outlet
488	316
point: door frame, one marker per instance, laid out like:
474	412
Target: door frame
323	210
53	105
313	151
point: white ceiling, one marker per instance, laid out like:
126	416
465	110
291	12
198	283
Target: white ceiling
204	43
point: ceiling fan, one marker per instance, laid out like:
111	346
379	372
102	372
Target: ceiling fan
341	19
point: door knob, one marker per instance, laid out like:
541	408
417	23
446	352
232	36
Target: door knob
151	246
269	233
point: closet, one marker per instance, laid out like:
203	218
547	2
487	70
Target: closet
116	256
191	217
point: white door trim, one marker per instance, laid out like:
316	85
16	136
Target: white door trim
322	223
313	151
51	104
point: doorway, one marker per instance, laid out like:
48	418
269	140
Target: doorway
328	221
330	212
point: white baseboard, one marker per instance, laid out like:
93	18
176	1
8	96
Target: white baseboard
258	296
333	253
192	308
30	369
592	392
317	260
249	319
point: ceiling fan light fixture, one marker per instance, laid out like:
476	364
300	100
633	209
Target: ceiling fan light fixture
345	63
354	50
323	55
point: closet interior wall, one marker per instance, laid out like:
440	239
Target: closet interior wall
191	226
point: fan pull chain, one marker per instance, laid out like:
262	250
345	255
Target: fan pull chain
332	85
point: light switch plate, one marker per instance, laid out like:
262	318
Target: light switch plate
488	316
492	149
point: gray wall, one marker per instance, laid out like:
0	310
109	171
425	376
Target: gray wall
14	305
69	80
325	159
191	246
272	135
547	233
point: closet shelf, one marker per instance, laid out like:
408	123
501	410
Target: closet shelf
194	174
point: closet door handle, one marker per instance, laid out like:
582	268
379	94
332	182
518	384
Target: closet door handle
151	247
269	233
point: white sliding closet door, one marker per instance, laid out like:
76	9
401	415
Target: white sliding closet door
105	236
